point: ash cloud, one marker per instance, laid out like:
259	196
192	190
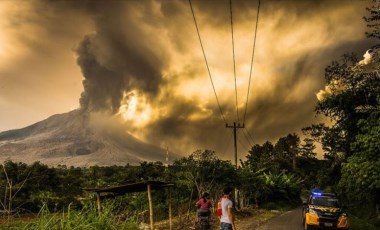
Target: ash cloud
103	87
120	56
130	51
151	48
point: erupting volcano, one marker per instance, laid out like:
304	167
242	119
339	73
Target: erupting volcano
73	138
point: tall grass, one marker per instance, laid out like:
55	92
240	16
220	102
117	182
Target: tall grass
70	219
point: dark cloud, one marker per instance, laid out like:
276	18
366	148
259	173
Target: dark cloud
120	56
103	87
269	114
184	128
150	49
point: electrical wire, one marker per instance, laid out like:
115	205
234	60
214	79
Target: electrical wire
247	138
208	69
243	145
253	54
246	130
227	144
234	62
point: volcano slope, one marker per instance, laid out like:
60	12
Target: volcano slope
74	139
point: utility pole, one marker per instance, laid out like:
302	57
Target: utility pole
167	159
235	127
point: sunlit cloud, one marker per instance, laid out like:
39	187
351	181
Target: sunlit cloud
367	58
140	64
135	110
335	87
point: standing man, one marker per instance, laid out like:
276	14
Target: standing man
227	220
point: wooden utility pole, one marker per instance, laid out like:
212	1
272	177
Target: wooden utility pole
150	207
235	127
170	210
167	159
98	203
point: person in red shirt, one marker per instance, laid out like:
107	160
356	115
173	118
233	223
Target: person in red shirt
203	205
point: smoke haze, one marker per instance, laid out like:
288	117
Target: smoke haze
140	62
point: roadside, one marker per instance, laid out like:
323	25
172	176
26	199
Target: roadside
249	219
245	219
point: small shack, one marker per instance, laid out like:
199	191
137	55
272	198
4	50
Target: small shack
132	188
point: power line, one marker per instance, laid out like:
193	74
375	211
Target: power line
244	146
238	125
253	141
233	57
208	69
246	137
253	54
228	143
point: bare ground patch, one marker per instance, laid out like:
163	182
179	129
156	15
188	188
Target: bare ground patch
246	219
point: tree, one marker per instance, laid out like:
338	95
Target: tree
360	180
205	172
259	156
372	22
252	187
12	186
351	99
151	171
332	141
287	149
276	158
307	148
351	94
281	188
354	88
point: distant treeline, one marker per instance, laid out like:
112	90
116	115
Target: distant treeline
268	177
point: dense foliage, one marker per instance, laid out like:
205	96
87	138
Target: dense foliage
28	188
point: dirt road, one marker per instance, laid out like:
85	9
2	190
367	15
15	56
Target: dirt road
288	220
255	219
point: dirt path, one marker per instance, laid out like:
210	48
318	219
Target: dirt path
252	218
245	220
288	220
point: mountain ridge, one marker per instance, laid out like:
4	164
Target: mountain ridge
70	139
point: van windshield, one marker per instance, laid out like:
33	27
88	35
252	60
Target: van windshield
325	201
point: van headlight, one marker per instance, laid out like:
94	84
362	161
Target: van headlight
312	211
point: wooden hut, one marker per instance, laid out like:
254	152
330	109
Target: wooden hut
103	193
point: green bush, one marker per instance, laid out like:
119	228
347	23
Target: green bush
360	224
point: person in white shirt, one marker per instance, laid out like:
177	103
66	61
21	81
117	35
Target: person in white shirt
226	219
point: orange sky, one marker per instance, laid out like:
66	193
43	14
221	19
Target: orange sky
144	65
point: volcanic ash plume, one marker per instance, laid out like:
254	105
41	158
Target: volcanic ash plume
371	60
116	60
368	64
367	58
334	87
103	87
